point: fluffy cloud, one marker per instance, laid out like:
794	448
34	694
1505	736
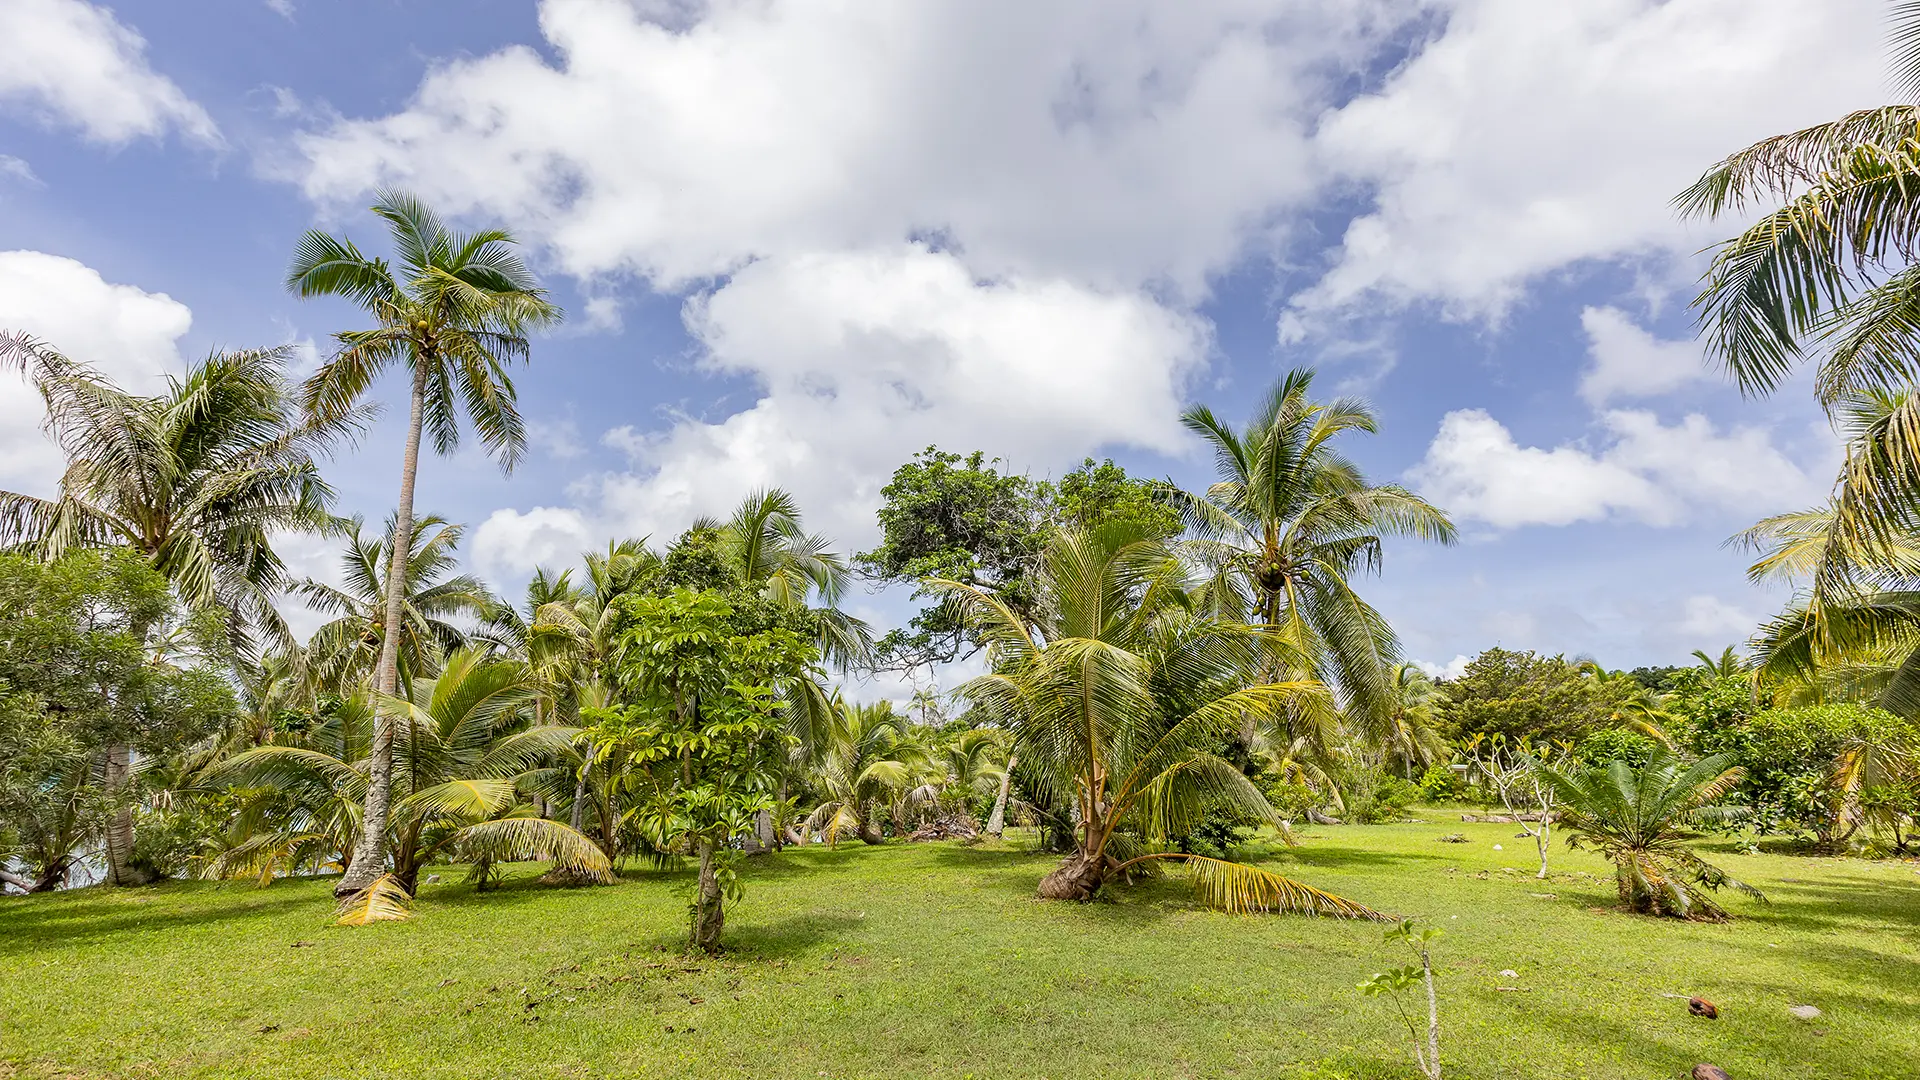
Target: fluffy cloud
1452	669
72	62
1630	362
1646	471
1113	142
1531	136
863	359
126	333
942	222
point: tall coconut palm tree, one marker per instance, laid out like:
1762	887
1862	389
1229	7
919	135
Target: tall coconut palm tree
454	313
345	650
196	480
1119	694
1642	818
1411	734
1287	525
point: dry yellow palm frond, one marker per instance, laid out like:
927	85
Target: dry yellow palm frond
386	900
1243	890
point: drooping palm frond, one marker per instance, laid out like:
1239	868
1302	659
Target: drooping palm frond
1244	890
518	838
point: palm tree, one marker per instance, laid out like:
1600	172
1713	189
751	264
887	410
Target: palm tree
1411	733
1726	665
196	480
1285	527
1641	818
767	547
454	314
465	755
345	651
870	759
1120	695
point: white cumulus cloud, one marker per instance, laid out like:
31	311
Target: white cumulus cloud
73	63
125	332
1627	361
1643	470
863	359
1531	136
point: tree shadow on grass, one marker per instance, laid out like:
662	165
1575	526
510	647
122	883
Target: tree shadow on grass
77	918
1841	903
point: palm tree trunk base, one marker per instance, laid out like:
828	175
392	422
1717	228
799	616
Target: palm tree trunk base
1077	878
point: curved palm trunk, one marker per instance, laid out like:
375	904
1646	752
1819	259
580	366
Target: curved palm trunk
869	831
370	855
997	821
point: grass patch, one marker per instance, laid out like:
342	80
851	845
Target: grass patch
934	960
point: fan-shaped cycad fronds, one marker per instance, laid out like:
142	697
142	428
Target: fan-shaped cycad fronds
1641	819
385	899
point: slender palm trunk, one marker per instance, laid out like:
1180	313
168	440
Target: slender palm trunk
997	821
370	855
116	776
580	800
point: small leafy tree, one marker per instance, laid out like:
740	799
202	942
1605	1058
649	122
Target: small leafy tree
1515	772
77	688
701	732
1394	980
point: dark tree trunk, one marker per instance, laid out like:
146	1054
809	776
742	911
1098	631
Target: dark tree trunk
709	907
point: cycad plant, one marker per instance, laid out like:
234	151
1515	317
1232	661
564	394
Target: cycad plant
1119	694
464	755
454	314
1642	818
1287	525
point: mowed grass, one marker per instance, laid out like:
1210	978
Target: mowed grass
934	960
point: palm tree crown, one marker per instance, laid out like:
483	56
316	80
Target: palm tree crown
1289	522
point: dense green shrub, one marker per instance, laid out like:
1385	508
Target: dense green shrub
1378	798
1615	744
1440	784
1789	756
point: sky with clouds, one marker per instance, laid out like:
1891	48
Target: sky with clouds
799	241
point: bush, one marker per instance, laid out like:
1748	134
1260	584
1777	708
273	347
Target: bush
1384	799
1292	799
1789	756
1615	744
1440	784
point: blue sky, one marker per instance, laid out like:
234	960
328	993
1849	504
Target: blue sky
799	241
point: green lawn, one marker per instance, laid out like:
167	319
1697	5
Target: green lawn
934	960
